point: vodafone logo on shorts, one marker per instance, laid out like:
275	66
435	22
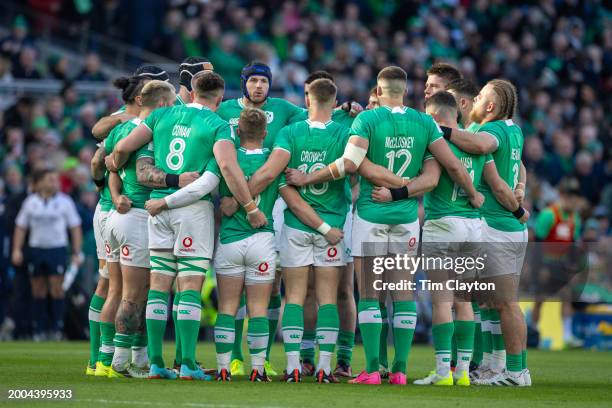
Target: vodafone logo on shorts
187	243
332	254
125	253
412	242
263	268
107	249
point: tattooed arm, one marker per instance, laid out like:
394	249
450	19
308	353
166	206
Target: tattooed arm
153	177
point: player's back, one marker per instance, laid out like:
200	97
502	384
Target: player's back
183	139
448	198
237	226
507	159
398	140
314	145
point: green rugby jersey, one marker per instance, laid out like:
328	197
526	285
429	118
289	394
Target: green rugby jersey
448	199
131	188
183	140
237	226
398	140
279	113
312	146
507	158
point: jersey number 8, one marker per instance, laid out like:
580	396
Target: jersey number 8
174	160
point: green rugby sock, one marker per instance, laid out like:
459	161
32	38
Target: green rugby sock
225	333
384	333
273	314
464	333
293	330
107	349
257	337
239	329
156	317
95	307
477	354
189	316
328	324
442	334
346	342
404	323
177	334
370	325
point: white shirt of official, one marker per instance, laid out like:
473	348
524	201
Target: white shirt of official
48	220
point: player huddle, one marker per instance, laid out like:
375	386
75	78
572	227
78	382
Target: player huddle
312	195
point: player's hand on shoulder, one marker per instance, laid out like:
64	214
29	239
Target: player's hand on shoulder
334	236
295	177
257	219
229	206
188	178
122	204
477	200
381	195
154	207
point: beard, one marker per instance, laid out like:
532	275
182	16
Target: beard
476	116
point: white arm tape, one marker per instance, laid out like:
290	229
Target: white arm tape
194	191
340	166
323	228
354	153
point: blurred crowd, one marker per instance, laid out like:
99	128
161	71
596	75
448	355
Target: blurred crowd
557	52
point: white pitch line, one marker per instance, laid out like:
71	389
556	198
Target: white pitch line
164	404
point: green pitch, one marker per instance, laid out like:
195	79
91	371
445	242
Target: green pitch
562	379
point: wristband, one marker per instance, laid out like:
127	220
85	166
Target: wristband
323	228
519	213
250	207
100	183
399	193
446	132
172	180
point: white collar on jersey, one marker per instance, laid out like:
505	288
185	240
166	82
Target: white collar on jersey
252	151
509	122
136	121
317	125
396	109
197	106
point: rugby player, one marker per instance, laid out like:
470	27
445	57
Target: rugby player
255	81
128	236
313	144
130	89
506	237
